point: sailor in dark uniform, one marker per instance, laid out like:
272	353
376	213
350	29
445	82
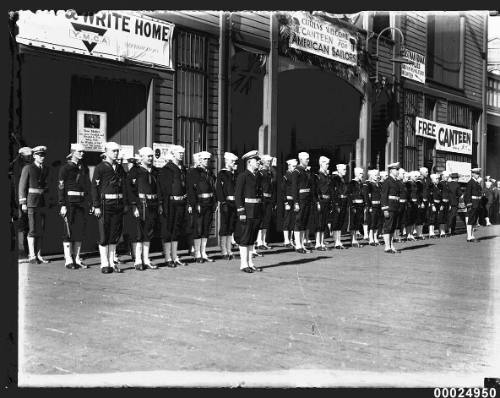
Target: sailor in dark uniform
248	198
366	216
268	200
356	205
445	203
32	190
224	187
129	223
400	231
173	202
434	205
454	194
423	215
201	203
389	199
324	197
143	199
73	192
109	196
372	202
472	198
287	203
339	203
302	193
412	205
16	166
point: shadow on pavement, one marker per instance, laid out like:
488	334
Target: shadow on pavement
487	237
295	262
416	247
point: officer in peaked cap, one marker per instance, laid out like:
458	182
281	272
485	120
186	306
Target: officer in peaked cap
173	201
389	198
73	195
248	200
201	203
339	203
268	200
323	195
143	198
110	201
225	186
472	198
32	189
287	203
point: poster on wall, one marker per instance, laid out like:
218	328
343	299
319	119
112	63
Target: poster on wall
91	130
448	138
113	34
462	168
127	152
415	71
160	157
325	39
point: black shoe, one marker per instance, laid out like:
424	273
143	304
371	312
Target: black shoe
247	270
151	266
208	260
356	244
256	269
321	249
289	246
388	251
178	262
170	264
106	270
69	266
117	269
472	240
302	251
139	267
372	244
257	254
199	260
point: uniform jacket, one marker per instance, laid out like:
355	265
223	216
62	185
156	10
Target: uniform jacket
355	192
200	181
389	197
172	182
33	177
372	194
225	186
413	194
426	185
435	196
445	194
454	193
286	187
323	187
339	190
109	181
73	178
248	186
143	182
403	193
302	180
268	185
473	188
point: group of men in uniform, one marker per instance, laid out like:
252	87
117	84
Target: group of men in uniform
396	204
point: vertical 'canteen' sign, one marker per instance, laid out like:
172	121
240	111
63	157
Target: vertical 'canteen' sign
448	138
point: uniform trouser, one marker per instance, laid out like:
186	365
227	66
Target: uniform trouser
338	217
302	216
375	218
356	217
422	215
228	218
322	215
433	216
36	221
173	221
203	222
390	223
473	214
110	224
289	218
145	223
246	232
411	213
75	216
452	218
267	208
443	214
401	216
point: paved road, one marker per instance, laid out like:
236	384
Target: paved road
431	310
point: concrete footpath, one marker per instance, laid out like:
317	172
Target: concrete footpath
359	317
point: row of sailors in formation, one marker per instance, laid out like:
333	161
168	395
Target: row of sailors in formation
382	204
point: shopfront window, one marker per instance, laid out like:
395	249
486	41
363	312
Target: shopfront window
191	92
411	106
463	116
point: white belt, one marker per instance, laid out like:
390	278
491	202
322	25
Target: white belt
205	195
289	197
436	201
358	201
76	193
473	197
148	195
425	200
446	200
36	190
113	196
402	200
393	197
304	190
178	197
343	196
414	200
267	195
325	196
375	202
253	200
229	197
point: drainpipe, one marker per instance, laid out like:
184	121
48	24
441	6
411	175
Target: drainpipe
484	121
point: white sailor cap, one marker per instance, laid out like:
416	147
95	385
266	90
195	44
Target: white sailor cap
445	173
77	147
230	156
251	155
358	170
475	170
266	158
422	169
383	173
341	166
111	146
177	149
303	155
373	172
146	151
292	162
204	155
25	151
394	165
39	149
434	176
323	159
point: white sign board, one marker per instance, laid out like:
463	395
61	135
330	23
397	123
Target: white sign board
448	138
319	37
117	35
417	70
127	152
160	157
462	168
91	130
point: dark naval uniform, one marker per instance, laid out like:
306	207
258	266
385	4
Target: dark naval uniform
248	198
324	195
302	194
268	197
339	201
454	193
287	200
445	203
173	199
143	193
22	222
200	191
434	204
403	206
225	187
356	205
389	199
472	198
109	193
426	200
375	217
413	203
32	190
74	193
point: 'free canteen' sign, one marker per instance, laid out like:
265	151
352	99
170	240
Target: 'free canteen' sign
448	138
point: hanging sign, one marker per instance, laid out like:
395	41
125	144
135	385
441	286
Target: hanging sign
448	138
160	157
319	37
91	130
117	35
415	71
